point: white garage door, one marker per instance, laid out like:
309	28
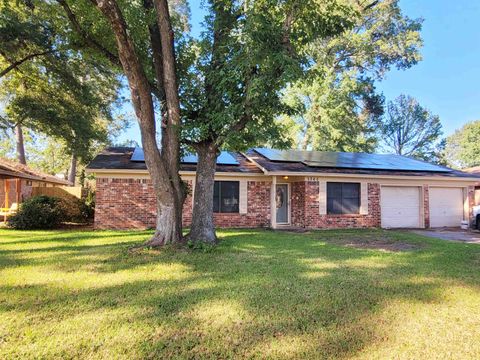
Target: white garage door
400	207
446	206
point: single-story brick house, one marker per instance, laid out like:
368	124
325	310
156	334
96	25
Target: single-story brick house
306	189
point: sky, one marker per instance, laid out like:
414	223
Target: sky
446	81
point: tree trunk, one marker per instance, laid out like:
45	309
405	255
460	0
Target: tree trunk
171	130
169	221
20	145
203	228
72	172
306	136
169	211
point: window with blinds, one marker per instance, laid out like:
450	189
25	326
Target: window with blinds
343	198
226	197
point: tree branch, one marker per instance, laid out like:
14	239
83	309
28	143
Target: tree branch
16	64
246	116
89	40
157	57
371	5
287	27
93	44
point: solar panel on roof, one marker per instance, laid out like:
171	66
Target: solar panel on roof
138	155
225	158
350	160
190	159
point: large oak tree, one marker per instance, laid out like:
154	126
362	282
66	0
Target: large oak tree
249	52
163	164
135	40
222	90
229	81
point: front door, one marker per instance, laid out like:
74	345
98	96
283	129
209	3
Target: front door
282	203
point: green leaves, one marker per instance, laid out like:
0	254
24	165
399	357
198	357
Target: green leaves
340	103
463	147
66	94
248	54
409	129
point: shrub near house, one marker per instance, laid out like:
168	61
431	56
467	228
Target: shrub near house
47	212
38	212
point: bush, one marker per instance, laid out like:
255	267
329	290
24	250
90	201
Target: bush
46	212
76	210
71	209
38	212
89	204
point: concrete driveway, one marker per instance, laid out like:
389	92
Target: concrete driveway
466	236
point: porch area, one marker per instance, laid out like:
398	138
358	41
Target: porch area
287	202
306	202
19	182
14	190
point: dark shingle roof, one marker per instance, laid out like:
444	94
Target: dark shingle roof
119	158
301	167
252	162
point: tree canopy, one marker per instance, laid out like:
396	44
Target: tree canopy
246	56
52	88
463	147
409	129
337	104
223	89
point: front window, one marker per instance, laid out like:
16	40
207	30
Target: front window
343	198
226	196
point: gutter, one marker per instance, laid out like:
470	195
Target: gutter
145	172
286	173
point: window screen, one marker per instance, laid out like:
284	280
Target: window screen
343	198
226	196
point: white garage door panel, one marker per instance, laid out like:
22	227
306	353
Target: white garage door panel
446	206
400	207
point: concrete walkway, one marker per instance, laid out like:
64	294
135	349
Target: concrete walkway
466	236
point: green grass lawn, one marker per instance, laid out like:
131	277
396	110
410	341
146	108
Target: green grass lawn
263	294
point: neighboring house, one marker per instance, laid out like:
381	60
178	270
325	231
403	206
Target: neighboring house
305	189
476	172
17	182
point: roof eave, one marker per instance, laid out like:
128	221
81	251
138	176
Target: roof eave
292	173
403	176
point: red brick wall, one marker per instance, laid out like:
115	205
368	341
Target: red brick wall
298	203
124	204
188	205
130	204
306	211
